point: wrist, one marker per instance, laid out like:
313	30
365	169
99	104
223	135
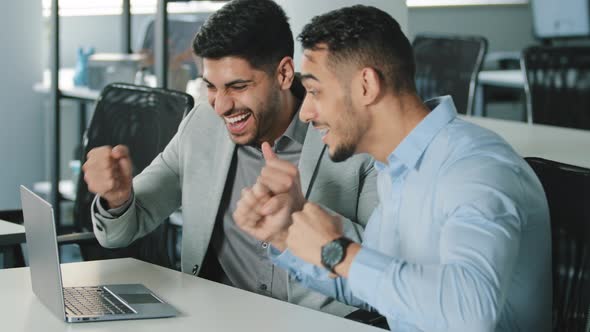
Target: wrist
279	241
335	252
343	267
117	202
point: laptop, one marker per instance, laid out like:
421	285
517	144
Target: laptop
78	304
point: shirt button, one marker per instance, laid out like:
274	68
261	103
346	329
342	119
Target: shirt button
264	245
263	287
195	269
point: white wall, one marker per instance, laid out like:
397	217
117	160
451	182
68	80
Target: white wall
301	12
21	118
507	28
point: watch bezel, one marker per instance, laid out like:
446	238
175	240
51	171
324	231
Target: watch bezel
329	260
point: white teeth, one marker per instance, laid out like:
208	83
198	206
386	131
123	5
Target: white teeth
235	119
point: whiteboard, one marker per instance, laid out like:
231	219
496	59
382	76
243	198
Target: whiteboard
561	18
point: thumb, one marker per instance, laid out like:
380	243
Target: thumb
267	152
126	167
120	151
121	154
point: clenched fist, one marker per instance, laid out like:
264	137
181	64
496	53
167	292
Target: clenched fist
108	173
264	211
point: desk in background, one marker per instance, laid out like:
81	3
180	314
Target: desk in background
204	305
11	235
502	78
505	79
565	145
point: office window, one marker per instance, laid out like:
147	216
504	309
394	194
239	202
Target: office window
113	7
441	3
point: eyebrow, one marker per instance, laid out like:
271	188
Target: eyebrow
305	77
228	84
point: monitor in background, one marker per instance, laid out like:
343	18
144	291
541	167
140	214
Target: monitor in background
561	19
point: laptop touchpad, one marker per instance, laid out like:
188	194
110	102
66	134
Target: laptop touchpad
139	298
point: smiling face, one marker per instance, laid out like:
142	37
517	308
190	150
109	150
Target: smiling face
246	98
330	105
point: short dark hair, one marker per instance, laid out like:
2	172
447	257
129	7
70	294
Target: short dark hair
257	31
368	37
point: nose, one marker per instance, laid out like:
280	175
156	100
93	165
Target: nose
221	102
307	113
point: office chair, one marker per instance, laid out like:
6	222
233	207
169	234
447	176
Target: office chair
449	65
144	119
568	193
558	85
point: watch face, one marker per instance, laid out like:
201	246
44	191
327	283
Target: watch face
332	254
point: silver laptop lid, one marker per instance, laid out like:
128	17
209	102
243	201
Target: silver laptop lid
43	254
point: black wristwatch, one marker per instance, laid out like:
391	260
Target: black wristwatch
333	253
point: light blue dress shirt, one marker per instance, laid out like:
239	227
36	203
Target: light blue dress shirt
460	240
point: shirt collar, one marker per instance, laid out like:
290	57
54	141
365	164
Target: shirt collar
412	147
296	130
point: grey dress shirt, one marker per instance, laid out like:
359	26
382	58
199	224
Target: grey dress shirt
243	260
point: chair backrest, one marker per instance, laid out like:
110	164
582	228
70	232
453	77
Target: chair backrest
558	85
144	119
568	193
449	65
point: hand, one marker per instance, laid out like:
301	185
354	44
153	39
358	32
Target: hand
264	211
247	216
108	173
312	228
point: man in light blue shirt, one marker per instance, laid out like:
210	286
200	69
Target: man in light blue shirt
460	240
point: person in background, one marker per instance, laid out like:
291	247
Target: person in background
253	96
460	240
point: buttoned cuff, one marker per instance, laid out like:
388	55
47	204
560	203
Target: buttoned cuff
366	273
295	265
115	212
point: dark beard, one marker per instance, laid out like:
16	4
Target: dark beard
342	153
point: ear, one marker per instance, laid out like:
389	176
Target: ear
286	73
371	85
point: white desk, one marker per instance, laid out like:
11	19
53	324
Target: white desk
502	78
204	305
66	86
66	189
511	79
566	145
11	233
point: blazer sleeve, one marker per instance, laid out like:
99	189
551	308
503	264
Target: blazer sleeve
157	193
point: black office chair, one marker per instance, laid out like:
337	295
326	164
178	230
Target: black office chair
558	85
144	119
568	192
449	65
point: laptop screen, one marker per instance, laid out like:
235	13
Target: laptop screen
42	248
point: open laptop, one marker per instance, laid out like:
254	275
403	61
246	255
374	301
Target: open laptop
78	304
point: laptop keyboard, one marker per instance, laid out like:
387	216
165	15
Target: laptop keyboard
93	301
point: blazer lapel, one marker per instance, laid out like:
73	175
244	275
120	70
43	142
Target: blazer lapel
218	173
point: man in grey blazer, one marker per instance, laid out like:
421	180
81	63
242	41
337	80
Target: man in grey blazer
247	47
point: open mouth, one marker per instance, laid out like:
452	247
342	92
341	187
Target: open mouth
324	133
236	123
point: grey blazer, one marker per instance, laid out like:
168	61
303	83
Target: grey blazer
191	172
